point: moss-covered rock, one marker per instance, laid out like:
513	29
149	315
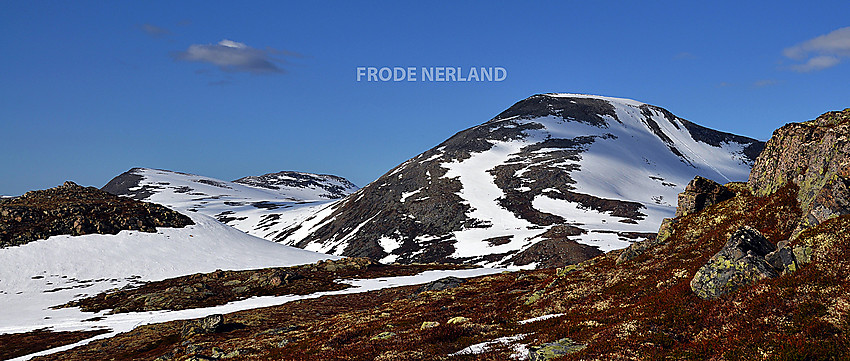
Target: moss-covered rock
555	349
739	263
383	336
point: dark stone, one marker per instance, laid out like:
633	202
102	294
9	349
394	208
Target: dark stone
782	260
699	194
440	285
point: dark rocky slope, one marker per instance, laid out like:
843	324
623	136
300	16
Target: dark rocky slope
75	210
420	212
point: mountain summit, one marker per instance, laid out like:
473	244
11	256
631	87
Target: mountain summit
554	179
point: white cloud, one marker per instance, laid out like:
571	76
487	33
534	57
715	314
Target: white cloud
233	56
817	63
822	52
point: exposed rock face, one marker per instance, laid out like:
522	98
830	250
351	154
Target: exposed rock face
604	169
334	186
74	210
739	263
700	194
815	155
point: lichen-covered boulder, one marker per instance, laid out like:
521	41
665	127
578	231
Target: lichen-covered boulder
383	336
814	155
210	324
699	194
552	350
457	320
740	262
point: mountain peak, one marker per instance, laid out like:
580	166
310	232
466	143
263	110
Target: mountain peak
553	173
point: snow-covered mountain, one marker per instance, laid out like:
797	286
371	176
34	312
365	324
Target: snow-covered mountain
554	179
262	206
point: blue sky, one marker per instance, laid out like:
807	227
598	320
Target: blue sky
91	89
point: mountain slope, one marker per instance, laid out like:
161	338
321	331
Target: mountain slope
261	206
554	179
48	272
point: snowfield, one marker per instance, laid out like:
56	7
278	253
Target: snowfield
51	272
46	273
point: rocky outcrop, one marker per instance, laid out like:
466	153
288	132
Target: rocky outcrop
440	285
815	155
75	210
221	287
209	324
739	263
554	350
699	194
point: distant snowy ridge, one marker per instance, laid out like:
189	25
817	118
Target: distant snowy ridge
554	179
262	206
289	182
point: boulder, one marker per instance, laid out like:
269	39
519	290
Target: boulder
212	323
457	320
813	155
209	324
740	262
428	324
553	350
440	285
383	336
699	194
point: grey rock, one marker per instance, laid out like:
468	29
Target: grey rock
739	263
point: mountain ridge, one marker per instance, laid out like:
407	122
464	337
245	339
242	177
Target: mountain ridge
527	166
258	205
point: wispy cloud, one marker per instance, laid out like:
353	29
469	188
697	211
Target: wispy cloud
684	56
154	31
822	52
232	56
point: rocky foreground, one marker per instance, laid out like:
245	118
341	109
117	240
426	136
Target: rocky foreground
75	210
